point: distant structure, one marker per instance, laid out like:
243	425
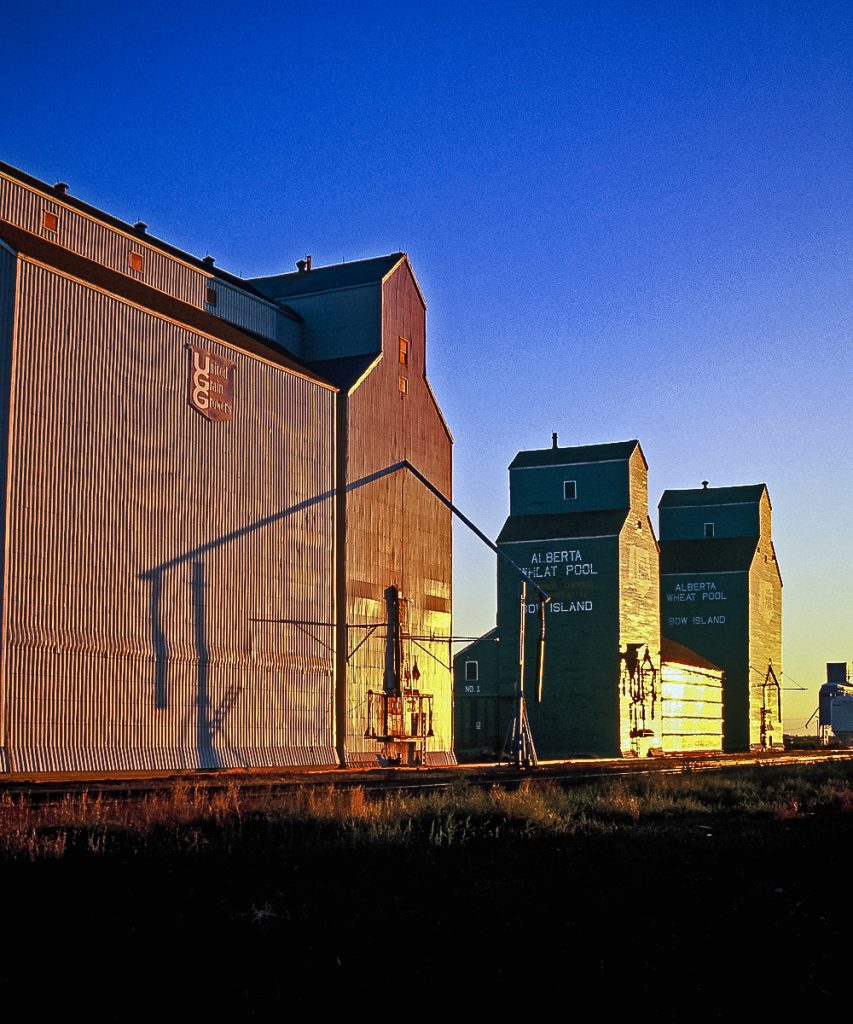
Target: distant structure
579	526
213	551
835	705
721	596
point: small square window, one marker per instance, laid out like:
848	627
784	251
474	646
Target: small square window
404	352
709	529
570	490
211	297
472	671
404	385
49	221
136	261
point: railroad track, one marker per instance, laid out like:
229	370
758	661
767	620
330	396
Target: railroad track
251	782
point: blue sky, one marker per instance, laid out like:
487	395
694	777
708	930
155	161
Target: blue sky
629	220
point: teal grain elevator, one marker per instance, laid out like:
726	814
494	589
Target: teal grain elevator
579	528
721	595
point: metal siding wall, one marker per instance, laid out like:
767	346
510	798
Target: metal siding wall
104	244
397	532
253	314
339	323
144	540
8	278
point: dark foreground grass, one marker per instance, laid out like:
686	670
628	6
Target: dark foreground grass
665	897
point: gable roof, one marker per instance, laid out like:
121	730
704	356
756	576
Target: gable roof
699	496
614	451
674	652
324	279
563	527
344	372
491	635
717	554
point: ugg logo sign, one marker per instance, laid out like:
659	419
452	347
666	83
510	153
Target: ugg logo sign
211	384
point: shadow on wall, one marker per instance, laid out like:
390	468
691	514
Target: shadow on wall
209	725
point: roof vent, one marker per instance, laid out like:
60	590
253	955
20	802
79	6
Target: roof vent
303	265
704	485
554	440
61	187
208	261
139	227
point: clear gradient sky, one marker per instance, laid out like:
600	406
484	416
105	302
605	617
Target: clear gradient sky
629	220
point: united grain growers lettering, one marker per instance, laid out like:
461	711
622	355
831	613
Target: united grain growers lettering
211	387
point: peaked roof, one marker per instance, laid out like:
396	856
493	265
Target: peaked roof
344	372
563	527
699	496
491	635
707	555
616	450
324	279
672	651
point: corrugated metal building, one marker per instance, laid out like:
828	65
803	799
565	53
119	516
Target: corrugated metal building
391	531
174	487
721	595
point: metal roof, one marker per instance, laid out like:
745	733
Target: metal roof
699	496
121	225
674	652
616	450
345	372
324	279
717	554
560	527
491	635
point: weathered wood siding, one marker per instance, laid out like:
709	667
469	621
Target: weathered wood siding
639	604
692	714
579	712
765	636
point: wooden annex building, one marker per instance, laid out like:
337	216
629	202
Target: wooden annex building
197	474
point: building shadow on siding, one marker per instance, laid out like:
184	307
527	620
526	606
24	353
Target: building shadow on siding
209	724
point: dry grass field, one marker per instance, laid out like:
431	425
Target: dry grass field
662	897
